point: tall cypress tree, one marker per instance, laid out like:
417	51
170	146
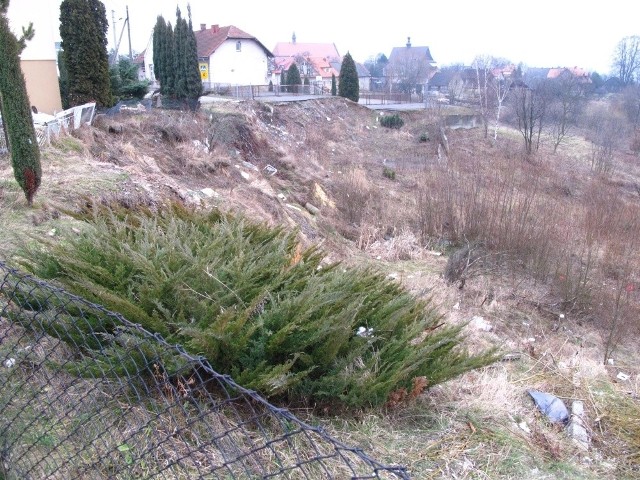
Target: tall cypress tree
63	80
83	29
349	86
159	36
194	81
163	57
175	58
25	154
169	61
179	56
334	89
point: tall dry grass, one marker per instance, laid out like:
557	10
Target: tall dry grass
582	244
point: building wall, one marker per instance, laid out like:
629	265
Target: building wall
38	60
249	66
41	77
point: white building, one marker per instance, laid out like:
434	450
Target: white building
38	59
229	56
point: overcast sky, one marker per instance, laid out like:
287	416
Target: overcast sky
542	33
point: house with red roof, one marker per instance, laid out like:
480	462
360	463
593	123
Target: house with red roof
230	56
317	62
313	60
144	62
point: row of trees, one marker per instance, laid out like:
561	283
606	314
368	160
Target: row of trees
536	105
85	75
553	107
175	58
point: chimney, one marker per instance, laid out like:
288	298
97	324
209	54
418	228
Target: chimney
203	27
293	38
215	28
408	42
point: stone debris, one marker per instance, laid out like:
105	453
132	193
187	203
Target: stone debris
312	209
577	428
209	192
479	323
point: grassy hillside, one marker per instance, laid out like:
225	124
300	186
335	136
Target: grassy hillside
538	253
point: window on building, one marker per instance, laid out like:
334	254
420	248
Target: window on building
238	46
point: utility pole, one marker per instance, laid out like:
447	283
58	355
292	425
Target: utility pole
115	41
129	35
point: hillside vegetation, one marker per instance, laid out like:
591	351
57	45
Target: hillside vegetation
535	254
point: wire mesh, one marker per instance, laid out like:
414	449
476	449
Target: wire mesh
126	404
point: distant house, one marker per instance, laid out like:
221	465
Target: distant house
144	62
441	80
230	56
533	77
316	61
410	68
38	60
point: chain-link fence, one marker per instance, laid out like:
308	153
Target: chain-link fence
76	404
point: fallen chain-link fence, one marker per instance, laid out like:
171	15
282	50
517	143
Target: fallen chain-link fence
76	404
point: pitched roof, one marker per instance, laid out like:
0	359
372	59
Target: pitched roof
361	69
324	67
401	53
442	79
209	39
290	49
139	58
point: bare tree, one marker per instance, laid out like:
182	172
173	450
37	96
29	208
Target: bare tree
501	87
626	59
630	105
606	130
482	66
566	95
456	89
529	107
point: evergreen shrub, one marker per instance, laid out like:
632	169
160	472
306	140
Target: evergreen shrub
392	121
389	173
259	307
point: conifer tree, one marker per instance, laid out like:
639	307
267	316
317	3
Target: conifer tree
83	29
334	90
63	80
349	86
16	111
159	37
175	58
179	56
293	76
194	81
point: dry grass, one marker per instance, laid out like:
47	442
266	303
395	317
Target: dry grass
561	239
